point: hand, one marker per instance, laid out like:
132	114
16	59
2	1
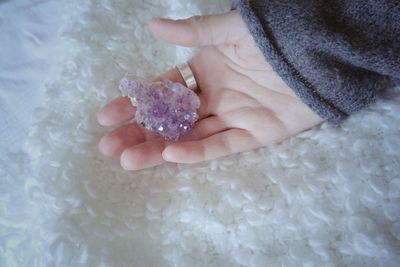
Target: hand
244	103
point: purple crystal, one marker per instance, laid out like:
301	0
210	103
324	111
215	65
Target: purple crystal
168	108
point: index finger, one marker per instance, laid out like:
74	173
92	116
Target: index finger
116	111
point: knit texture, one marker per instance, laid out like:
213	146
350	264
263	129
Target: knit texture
335	54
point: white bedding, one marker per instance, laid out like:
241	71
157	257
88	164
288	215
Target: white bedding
328	197
28	56
31	52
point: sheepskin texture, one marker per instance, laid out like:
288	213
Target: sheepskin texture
327	197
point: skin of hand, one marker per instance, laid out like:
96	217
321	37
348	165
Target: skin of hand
244	103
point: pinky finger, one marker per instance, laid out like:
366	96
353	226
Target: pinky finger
218	145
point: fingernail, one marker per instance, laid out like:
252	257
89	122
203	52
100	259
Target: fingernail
154	20
122	162
101	146
100	119
166	155
124	166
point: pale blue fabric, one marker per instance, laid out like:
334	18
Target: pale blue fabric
28	30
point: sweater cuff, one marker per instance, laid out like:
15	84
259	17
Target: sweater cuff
304	89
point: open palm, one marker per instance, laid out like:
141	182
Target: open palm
244	103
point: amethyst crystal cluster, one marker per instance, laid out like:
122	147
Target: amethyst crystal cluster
167	108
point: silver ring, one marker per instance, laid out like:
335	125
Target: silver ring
187	75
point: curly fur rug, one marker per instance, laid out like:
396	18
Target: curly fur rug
327	197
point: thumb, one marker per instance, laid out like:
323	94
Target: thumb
200	30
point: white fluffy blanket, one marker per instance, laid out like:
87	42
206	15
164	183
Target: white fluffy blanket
328	197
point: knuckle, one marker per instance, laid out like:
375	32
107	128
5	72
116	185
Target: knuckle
201	29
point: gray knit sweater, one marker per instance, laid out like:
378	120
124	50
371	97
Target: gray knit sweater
335	54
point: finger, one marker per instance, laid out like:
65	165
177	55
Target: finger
200	30
205	128
116	111
218	145
173	75
116	141
144	155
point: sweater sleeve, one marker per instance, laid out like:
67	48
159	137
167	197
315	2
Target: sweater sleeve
334	54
